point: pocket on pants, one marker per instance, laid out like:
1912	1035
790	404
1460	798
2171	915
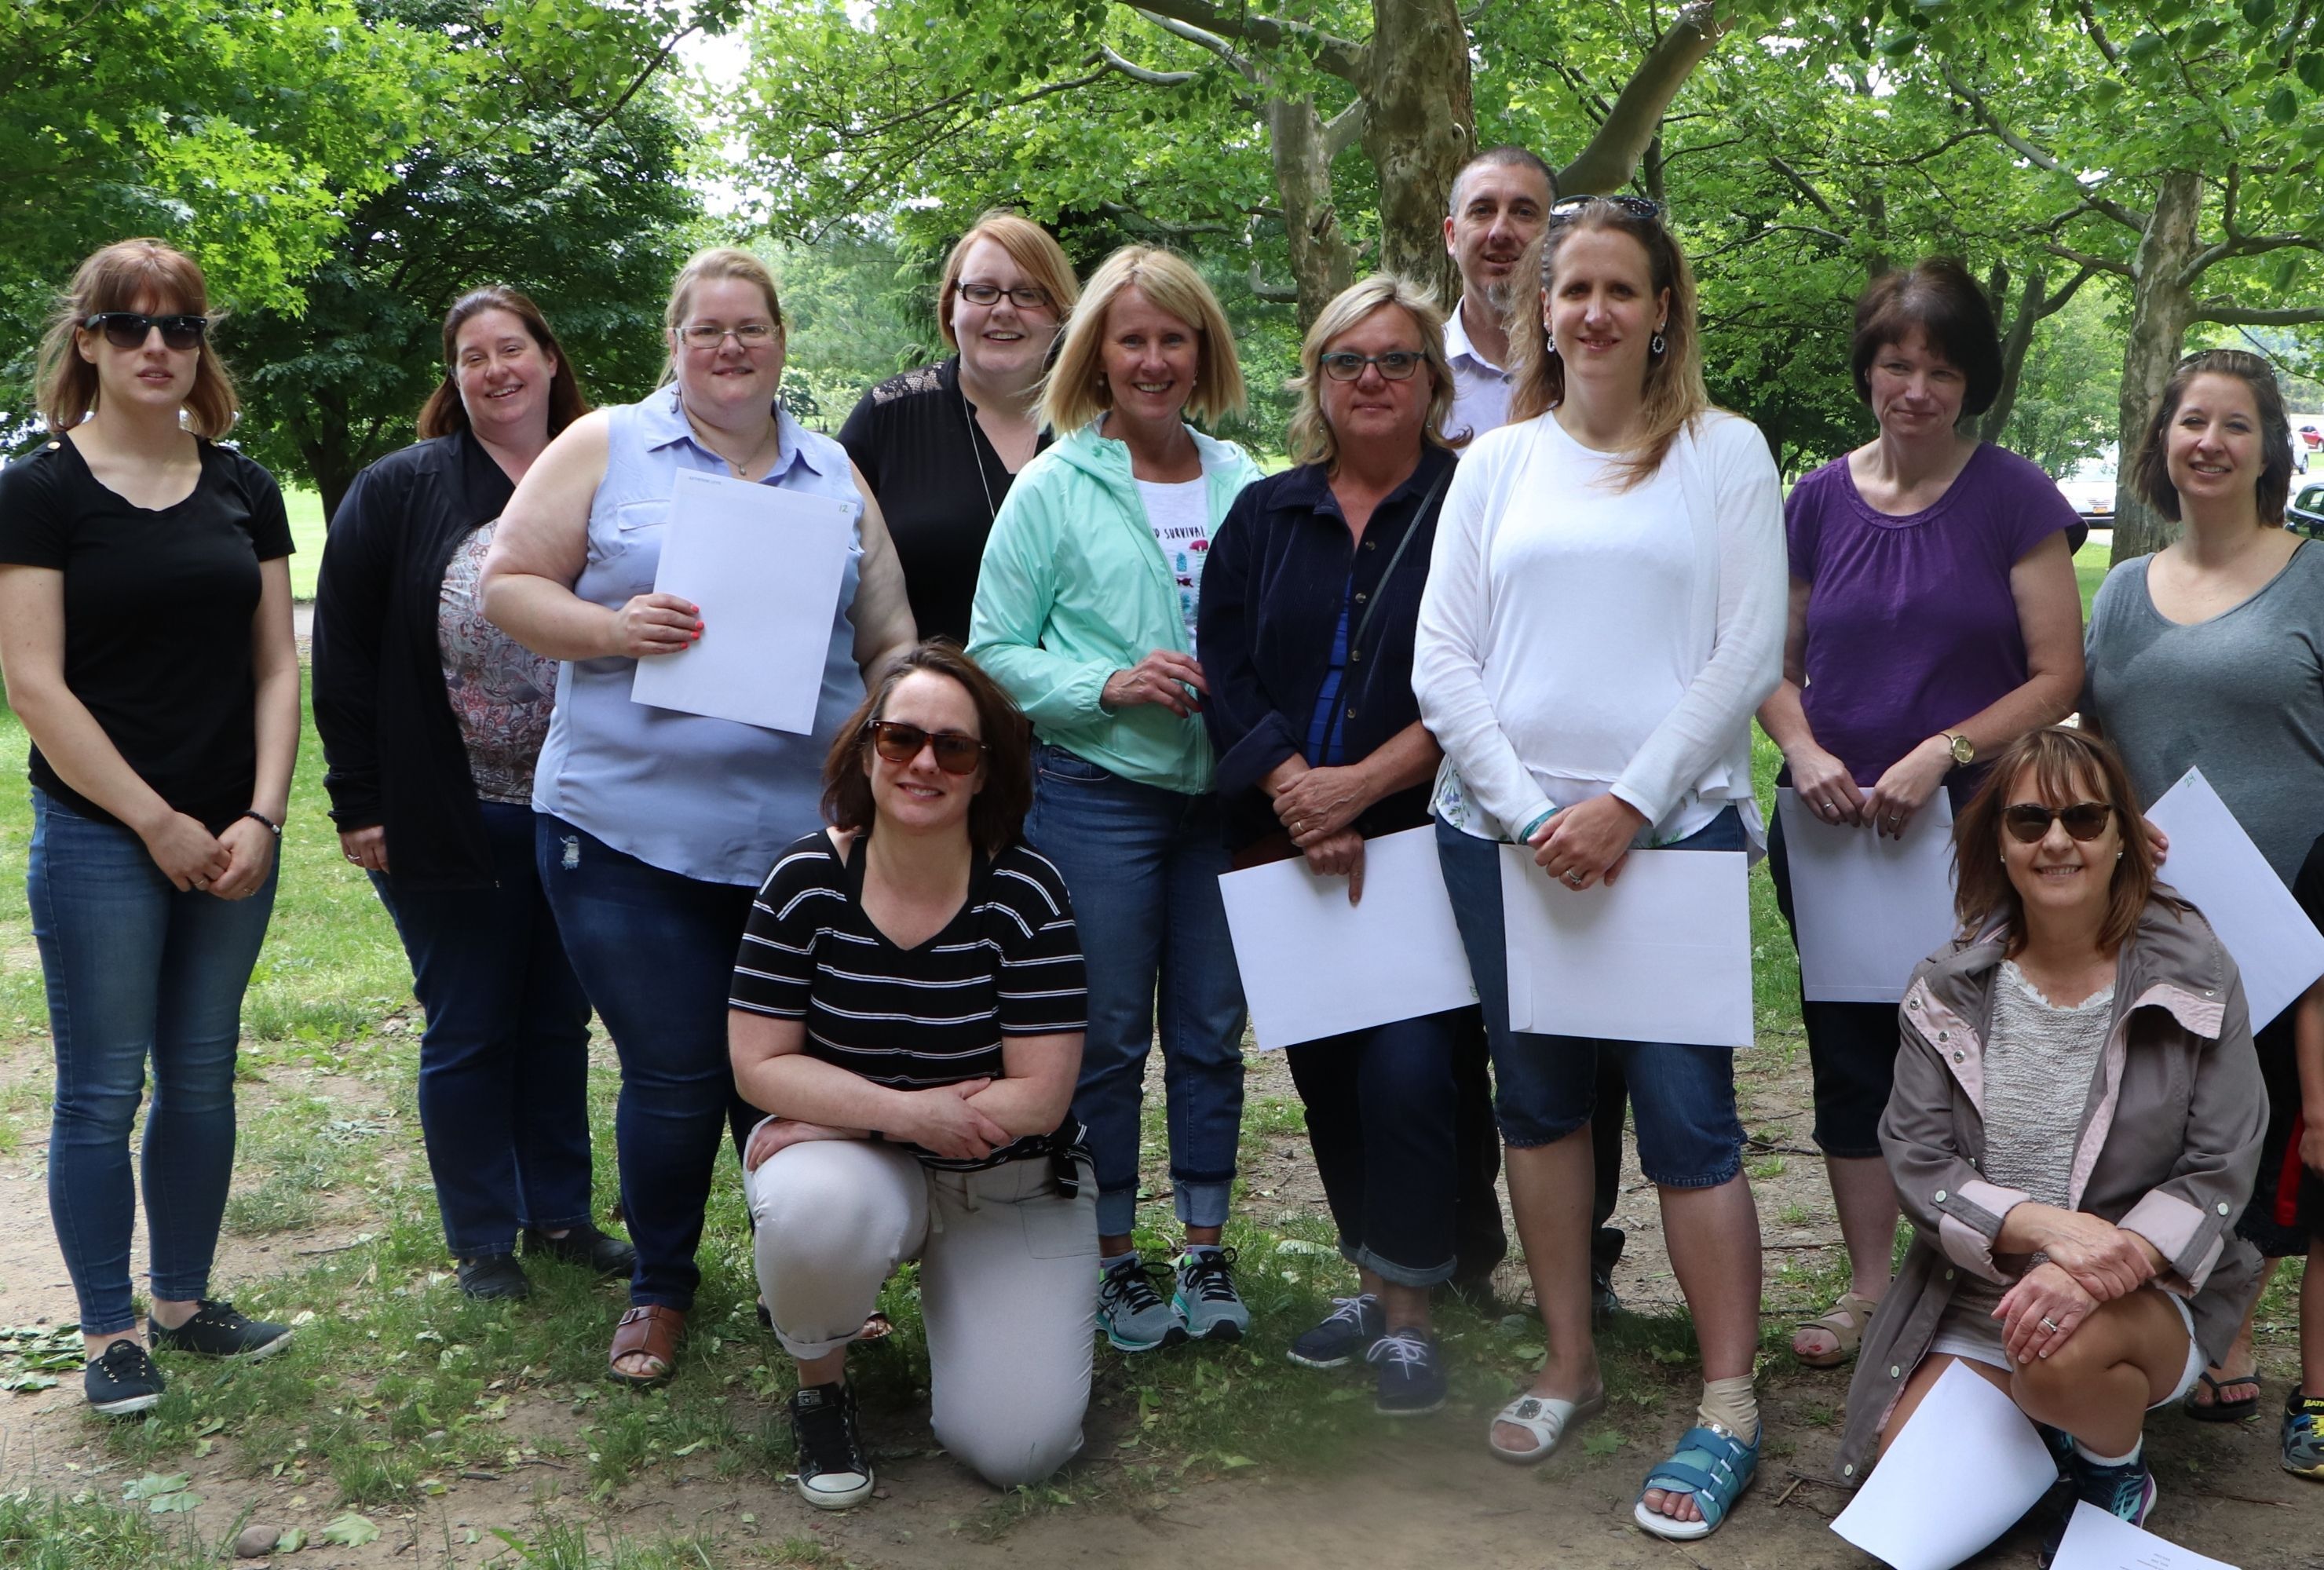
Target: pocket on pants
1055	763
1061	1229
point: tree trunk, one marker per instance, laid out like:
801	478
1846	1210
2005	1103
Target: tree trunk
1420	126
1323	263
2162	304
2014	342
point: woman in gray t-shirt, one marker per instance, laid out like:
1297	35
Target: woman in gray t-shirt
2210	653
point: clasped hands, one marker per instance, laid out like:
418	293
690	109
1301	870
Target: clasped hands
2090	1261
942	1120
1586	842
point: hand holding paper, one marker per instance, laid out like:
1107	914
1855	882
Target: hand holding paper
1869	906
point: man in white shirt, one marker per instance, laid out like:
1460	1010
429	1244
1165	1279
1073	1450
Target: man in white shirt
1500	200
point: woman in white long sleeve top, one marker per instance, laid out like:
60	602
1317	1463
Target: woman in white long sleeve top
1604	612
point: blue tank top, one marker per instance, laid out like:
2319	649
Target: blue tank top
707	799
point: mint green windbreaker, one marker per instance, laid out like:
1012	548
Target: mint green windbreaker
1074	588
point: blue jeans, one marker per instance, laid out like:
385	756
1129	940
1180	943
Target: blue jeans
1380	1115
1142	865
1682	1096
655	951
504	1062
136	970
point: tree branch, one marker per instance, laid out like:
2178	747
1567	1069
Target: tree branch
1339	57
2053	304
1605	165
1209	40
2084	259
2038	157
1138	73
1130	214
1282	294
2098	34
643	77
1342	131
1799	182
2243	246
2239	316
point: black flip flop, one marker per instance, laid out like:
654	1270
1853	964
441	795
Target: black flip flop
2218	1409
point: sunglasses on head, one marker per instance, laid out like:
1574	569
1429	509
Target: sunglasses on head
900	743
127	329
1638	208
2030	821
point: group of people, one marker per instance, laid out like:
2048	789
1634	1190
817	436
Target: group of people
1521	582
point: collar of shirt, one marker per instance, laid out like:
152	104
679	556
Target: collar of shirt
1308	488
1457	346
665	423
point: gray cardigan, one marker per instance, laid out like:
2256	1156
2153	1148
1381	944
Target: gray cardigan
2169	1145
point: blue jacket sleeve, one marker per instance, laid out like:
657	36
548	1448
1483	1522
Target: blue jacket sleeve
1248	733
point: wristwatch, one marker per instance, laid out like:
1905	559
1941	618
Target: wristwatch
1963	750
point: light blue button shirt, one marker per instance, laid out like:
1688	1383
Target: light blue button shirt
708	799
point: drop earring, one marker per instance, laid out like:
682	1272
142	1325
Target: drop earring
1655	346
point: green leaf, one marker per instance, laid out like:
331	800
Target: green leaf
2311	68
154	1485
2145	47
2259	12
172	1503
291	1540
1603	1443
1232	1462
2283	106
349	1531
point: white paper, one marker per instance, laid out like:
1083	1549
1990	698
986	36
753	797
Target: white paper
1663	954
1869	907
1966	1467
2215	866
1313	965
765	566
2096	1539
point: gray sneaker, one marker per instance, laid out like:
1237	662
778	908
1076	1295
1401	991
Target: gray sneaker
1130	1312
1206	1297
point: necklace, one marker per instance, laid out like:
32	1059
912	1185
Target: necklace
742	467
976	455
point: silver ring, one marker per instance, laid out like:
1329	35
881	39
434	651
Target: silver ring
1828	811
1576	880
2050	1325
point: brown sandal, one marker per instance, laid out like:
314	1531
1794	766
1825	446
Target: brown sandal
653	1330
1845	1324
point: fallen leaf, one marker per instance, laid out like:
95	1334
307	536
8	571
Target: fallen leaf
349	1531
154	1485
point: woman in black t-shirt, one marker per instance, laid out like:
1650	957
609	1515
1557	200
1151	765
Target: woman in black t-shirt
940	445
908	1003
146	638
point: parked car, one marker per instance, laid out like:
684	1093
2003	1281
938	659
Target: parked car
2089	489
2306	513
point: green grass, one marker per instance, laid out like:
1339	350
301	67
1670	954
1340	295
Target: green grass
305	509
2089	572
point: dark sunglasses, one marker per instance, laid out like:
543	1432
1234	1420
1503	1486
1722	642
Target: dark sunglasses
1636	207
1396	364
127	329
900	743
2030	821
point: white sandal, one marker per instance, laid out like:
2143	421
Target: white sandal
1546	1419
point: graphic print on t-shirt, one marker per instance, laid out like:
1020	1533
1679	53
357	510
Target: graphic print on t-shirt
1179	516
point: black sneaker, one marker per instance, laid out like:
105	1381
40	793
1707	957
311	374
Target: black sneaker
1411	1374
215	1330
2125	1492
492	1277
124	1382
583	1245
1353	1324
834	1472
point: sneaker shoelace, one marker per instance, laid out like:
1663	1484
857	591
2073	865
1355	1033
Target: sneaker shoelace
1348	1311
2120	1491
125	1359
1210	1275
827	1438
1406	1349
1132	1285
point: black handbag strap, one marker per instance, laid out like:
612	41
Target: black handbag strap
1379	595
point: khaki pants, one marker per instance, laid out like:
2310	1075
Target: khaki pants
1007	1286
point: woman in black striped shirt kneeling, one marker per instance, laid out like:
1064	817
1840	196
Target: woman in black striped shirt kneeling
907	1007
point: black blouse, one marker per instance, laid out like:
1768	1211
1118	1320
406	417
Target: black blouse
938	483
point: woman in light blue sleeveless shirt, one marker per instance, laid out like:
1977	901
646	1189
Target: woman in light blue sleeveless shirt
654	826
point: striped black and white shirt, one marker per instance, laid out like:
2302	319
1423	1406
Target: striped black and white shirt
1008	964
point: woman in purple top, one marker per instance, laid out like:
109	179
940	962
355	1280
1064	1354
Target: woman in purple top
1934	619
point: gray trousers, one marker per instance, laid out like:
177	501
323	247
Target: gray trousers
1007	1286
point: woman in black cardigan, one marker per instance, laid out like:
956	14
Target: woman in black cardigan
431	720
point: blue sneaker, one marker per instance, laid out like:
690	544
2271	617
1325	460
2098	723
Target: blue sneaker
1353	1324
1206	1298
1411	1374
2303	1435
1130	1312
2126	1491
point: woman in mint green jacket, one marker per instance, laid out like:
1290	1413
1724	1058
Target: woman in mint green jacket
1086	613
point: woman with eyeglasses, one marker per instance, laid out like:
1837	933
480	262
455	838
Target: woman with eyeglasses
2076	1120
656	825
1086	615
145	640
1603	613
432	719
1972	548
2210	654
941	445
1310	602
908	1007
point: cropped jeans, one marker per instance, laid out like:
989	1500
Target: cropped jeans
1142	865
137	971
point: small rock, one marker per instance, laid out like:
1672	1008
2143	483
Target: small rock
257	1542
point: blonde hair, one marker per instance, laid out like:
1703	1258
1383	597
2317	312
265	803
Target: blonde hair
1311	439
1674	394
1029	247
119	278
1074	392
705	267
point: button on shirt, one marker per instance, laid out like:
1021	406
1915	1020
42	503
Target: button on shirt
1480	388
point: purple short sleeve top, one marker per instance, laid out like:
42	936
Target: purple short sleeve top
1911	625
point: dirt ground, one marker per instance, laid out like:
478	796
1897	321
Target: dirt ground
1412	1493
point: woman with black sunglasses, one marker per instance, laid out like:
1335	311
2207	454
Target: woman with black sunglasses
145	639
2076	1121
908	1008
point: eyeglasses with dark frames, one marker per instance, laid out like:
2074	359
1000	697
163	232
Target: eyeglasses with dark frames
1396	364
1025	297
2029	822
128	329
900	743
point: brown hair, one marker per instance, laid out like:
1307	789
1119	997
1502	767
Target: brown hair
1075	391
118	279
444	413
1501	155
705	266
2152	474
2067	764
1029	247
1675	392
996	817
1940	298
1311	439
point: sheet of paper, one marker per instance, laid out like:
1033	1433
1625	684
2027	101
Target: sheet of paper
1313	965
2096	1539
1663	954
1966	1467
1870	908
765	566
2214	864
